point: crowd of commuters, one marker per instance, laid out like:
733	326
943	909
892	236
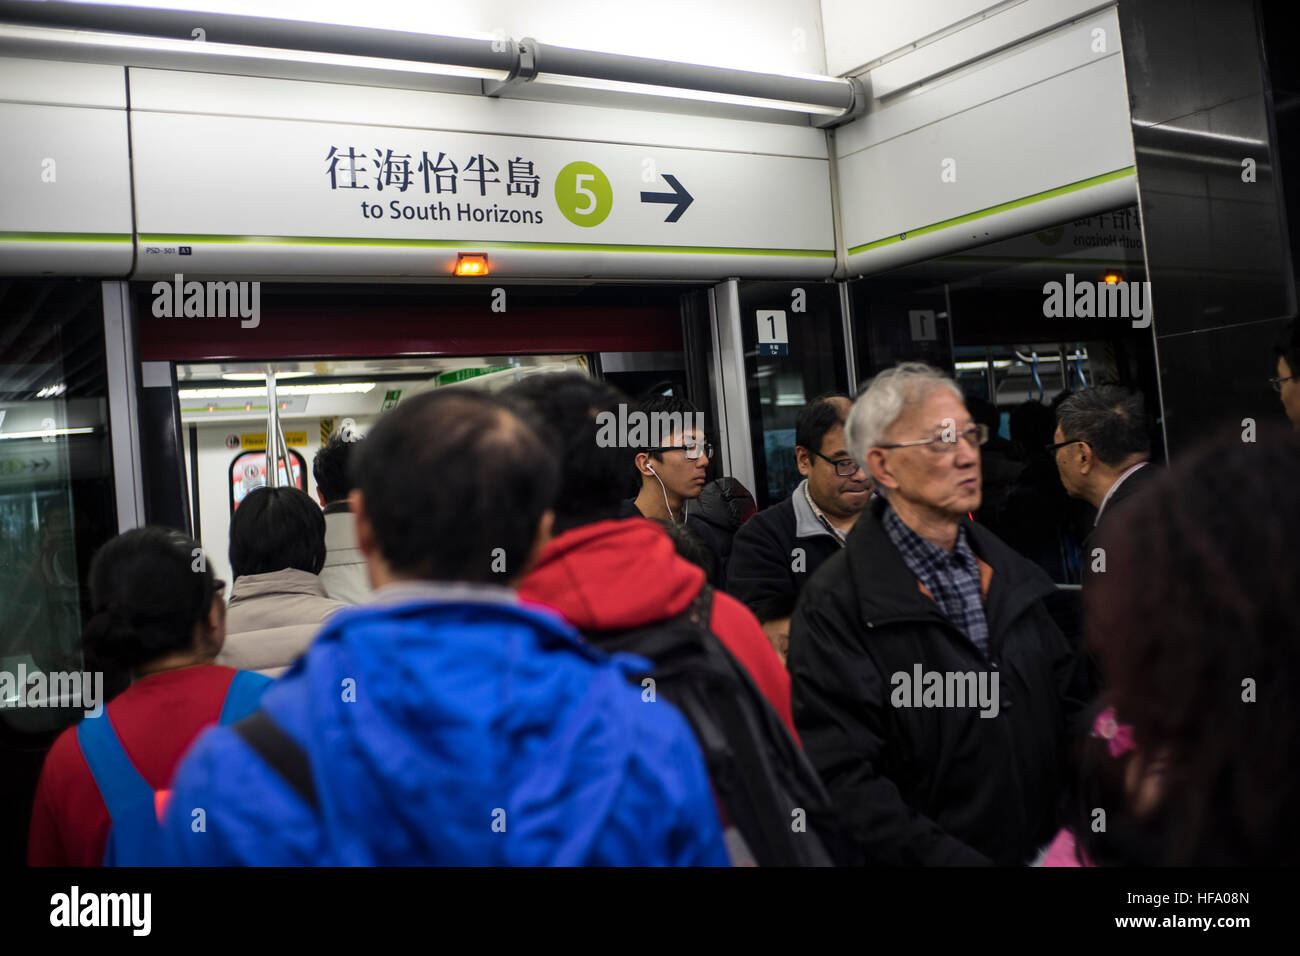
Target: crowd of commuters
500	639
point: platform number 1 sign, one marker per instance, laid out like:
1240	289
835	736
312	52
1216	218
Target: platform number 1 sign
924	326
772	337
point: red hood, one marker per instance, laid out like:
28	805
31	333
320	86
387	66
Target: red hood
612	575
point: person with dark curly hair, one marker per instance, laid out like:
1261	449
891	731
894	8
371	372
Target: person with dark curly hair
1191	759
159	614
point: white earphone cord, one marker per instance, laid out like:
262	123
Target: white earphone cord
665	491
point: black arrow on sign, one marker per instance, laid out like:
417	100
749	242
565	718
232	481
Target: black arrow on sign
43	464
679	196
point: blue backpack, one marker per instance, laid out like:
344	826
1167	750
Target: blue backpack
134	806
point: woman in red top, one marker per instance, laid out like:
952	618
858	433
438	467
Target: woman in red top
159	612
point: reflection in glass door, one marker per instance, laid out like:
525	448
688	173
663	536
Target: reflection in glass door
56	509
794	352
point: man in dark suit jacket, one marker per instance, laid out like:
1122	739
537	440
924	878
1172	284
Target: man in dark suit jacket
1103	453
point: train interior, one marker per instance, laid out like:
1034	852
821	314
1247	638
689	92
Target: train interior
224	418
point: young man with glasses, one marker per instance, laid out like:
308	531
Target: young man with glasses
918	590
675	472
776	551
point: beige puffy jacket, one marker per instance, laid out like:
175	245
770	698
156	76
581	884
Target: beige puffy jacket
272	618
344	575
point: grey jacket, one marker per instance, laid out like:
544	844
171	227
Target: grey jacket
344	575
272	618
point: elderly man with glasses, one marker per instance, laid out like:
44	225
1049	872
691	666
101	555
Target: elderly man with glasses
931	688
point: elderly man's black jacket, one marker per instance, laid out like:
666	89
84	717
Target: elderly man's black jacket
932	785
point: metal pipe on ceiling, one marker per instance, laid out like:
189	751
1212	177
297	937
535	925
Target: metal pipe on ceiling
265	32
588	64
520	60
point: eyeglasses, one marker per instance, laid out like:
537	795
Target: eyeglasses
844	467
1277	382
942	443
692	449
1051	449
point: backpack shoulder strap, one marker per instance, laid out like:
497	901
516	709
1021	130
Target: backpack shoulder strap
119	782
246	689
280	752
666	635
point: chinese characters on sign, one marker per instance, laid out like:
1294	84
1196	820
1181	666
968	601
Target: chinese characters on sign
350	169
1125	220
438	175
1119	228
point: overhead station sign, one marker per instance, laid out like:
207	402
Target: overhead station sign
236	195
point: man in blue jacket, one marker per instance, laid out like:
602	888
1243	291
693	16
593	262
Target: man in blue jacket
446	722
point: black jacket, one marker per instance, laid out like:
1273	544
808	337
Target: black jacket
765	573
1129	487
932	785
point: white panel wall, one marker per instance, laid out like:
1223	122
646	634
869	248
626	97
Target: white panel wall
938	33
62	84
860	31
1035	135
779	36
65	199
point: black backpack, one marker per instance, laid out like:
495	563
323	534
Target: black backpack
759	773
724	503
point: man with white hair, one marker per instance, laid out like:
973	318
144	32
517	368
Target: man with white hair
931	688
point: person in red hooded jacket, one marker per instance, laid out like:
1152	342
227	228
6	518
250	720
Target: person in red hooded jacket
604	572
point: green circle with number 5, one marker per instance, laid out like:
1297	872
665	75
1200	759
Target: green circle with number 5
584	194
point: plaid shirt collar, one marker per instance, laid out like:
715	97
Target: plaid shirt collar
951	577
917	551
